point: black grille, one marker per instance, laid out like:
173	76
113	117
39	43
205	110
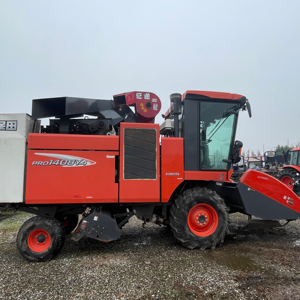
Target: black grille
139	153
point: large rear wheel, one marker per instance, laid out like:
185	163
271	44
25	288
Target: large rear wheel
198	219
40	239
291	180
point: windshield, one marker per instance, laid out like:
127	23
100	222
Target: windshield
295	158
217	130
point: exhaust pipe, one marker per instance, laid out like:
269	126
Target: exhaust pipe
175	100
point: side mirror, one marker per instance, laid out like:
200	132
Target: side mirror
249	109
237	150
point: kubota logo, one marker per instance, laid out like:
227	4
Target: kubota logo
63	160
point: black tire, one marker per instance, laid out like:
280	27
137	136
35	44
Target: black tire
40	239
68	222
195	207
290	178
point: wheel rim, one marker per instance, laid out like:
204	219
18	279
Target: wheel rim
203	220
39	240
288	181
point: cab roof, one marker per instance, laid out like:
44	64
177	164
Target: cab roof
207	94
218	95
296	149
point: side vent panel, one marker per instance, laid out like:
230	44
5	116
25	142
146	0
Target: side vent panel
140	157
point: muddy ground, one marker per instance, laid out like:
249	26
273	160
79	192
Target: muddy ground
148	263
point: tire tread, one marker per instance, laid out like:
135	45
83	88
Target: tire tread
39	222
178	219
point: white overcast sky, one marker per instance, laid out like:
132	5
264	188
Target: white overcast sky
96	49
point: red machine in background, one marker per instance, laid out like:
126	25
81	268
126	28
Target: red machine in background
290	175
106	162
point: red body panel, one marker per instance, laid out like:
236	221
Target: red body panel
172	173
62	176
206	175
272	188
292	167
72	141
139	190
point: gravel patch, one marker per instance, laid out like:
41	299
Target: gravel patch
148	263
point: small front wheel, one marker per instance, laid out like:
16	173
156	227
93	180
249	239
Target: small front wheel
198	218
40	239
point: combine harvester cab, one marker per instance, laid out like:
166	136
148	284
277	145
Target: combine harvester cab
266	197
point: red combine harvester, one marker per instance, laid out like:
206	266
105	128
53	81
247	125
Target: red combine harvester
106	162
290	174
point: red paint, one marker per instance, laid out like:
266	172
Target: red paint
172	174
147	105
288	181
213	95
72	141
297	168
216	95
272	188
206	175
56	183
33	240
203	220
139	190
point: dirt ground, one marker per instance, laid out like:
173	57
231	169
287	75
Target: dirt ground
148	263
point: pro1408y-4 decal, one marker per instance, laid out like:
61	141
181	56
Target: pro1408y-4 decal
63	160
